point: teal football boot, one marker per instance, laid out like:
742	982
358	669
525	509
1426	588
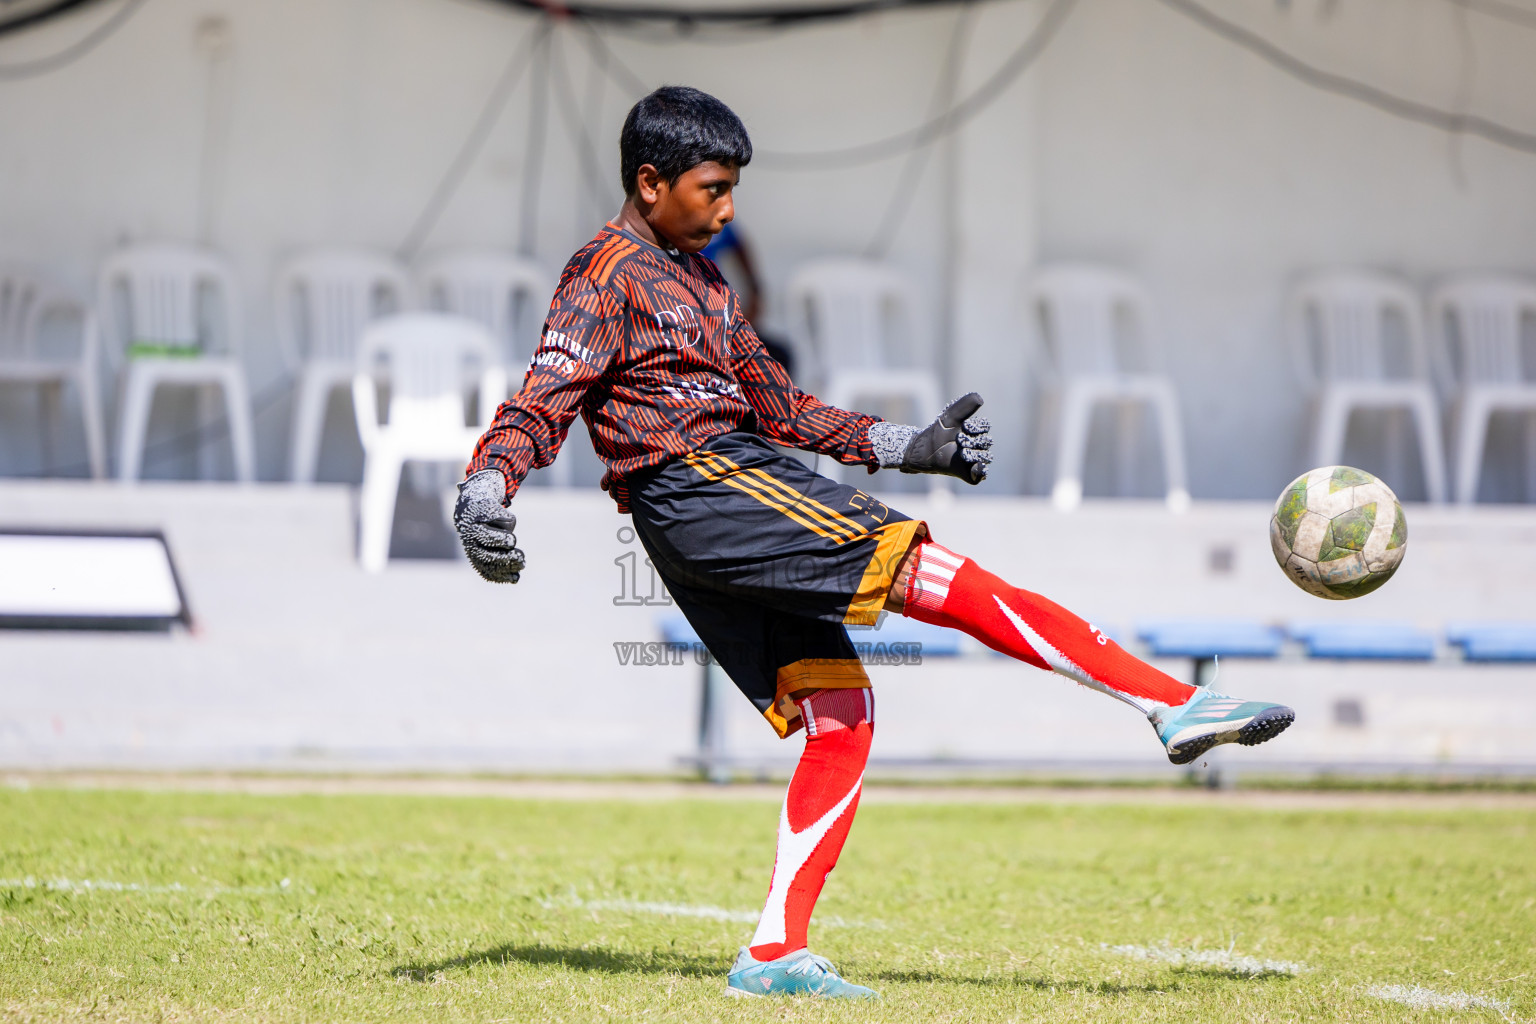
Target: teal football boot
1210	718
801	973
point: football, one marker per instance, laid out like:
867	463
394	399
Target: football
1338	532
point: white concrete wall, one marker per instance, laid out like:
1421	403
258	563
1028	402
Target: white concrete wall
1140	138
300	659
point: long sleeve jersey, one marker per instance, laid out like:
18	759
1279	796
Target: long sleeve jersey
651	349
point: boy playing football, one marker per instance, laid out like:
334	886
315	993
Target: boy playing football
769	561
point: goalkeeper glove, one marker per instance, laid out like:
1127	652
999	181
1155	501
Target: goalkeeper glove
485	526
956	444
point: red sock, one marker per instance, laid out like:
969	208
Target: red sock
949	590
818	810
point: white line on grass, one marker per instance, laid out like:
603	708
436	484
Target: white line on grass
1221	959
102	885
1421	998
690	910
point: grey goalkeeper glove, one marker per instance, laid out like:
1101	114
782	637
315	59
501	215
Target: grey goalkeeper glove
485	526
957	444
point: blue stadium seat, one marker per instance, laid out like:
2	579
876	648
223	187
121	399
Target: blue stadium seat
1376	641
1210	638
1494	641
937	641
1115	633
676	630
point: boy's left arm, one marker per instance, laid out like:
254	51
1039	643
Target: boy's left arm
789	416
958	443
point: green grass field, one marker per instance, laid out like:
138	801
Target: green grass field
121	905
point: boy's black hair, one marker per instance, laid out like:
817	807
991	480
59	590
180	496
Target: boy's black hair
677	128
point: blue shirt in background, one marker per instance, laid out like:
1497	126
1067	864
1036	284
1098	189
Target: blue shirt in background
726	241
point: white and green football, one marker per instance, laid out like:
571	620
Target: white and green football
1338	532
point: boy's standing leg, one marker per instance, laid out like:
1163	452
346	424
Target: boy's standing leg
770	563
818	810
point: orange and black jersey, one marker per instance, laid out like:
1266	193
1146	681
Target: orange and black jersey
651	349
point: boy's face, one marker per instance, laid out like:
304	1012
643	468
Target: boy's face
691	210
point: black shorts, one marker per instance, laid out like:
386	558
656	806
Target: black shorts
769	562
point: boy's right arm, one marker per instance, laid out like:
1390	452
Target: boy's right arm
583	333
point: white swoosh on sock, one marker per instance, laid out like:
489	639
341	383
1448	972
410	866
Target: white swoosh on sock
795	848
1060	662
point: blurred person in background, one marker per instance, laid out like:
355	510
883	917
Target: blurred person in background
730	251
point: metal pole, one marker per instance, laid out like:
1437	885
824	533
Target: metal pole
713	760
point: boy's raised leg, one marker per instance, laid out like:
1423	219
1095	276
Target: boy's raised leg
938	586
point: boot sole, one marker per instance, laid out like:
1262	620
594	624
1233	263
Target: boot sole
736	993
1266	725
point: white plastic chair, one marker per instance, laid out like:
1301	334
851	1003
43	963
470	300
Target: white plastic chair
25	303
849	316
430	361
1340	327
508	296
170	314
1476	323
1095	345
325	298
503	293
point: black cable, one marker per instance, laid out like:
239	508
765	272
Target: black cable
692	32
917	161
603	55
882	149
685	29
533	151
67	56
48	12
490	113
1466	86
1327	81
593	101
895	145
937	127
800	14
576	130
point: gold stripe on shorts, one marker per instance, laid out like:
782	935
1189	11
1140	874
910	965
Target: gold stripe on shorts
776	494
895	539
